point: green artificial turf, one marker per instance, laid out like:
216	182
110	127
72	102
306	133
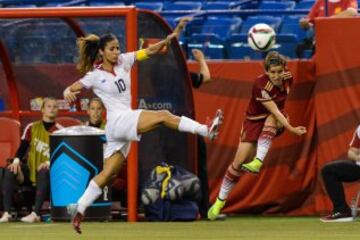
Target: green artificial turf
276	228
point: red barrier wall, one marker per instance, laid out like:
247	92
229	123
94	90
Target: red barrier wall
324	98
337	93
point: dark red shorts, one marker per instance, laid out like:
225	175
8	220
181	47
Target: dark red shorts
251	130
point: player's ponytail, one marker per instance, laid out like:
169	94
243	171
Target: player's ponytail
88	52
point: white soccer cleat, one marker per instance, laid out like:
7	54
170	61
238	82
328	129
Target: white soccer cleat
31	218
6	217
76	217
214	125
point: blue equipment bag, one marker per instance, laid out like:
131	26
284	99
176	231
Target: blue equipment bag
170	194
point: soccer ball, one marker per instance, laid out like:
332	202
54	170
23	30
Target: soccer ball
261	37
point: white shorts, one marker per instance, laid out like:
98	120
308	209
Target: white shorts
120	131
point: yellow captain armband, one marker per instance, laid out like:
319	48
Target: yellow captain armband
141	55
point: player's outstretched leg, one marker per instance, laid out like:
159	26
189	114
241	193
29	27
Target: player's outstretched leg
214	125
232	176
264	143
150	120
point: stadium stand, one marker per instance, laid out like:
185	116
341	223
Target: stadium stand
154	6
238	48
210	43
225	5
305	4
286	43
223	18
221	26
277	5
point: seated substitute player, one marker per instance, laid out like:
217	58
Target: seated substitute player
95	111
265	119
110	80
35	171
334	173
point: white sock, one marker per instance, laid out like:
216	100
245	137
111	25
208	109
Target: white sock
231	177
226	187
263	147
92	192
188	125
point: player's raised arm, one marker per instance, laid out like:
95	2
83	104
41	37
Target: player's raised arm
71	91
271	107
154	49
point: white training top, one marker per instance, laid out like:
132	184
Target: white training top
114	89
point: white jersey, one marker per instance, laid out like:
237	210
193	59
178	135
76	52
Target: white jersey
114	89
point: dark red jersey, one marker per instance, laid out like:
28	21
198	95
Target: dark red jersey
264	90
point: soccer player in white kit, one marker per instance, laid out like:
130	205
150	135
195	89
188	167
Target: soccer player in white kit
110	81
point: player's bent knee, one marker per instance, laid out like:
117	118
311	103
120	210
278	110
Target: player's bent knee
327	170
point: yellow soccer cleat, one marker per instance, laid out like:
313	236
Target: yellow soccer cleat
253	167
215	209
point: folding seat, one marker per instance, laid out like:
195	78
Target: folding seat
277	5
218	5
105	3
210	43
154	6
291	25
286	44
222	26
195	26
172	21
238	48
172	6
33	49
274	22
305	4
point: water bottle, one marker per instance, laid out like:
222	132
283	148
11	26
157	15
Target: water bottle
46	218
354	208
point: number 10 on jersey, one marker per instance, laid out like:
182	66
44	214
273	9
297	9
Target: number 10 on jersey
120	84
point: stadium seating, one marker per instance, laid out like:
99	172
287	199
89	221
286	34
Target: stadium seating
205	22
277	5
33	49
274	22
291	25
286	44
211	44
221	26
105	3
218	5
172	6
305	4
153	6
9	139
238	48
172	21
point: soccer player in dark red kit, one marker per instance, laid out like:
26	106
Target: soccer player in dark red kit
265	119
